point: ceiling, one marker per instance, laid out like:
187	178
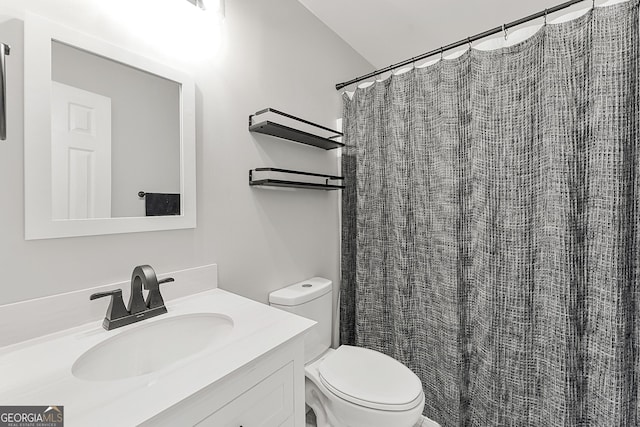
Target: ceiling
385	32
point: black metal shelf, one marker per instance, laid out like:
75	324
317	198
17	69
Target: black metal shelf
271	182
285	132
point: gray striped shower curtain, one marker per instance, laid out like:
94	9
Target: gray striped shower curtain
491	221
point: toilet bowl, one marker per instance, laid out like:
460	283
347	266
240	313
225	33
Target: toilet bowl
357	387
349	386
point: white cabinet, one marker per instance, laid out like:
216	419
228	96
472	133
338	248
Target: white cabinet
268	403
268	392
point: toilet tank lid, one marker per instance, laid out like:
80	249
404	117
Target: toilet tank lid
301	292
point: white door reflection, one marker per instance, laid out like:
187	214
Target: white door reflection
80	153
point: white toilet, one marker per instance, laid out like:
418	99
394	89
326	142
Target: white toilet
348	386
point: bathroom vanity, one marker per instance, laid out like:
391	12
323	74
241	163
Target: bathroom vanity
215	359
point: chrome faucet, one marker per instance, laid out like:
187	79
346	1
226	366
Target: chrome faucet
118	315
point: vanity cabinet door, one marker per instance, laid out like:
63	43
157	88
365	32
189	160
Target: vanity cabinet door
267	404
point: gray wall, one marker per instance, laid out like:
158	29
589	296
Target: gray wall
274	53
145	124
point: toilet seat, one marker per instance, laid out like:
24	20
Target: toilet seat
370	379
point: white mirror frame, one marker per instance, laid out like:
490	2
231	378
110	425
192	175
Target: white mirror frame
39	224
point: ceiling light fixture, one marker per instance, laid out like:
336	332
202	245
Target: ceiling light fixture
199	3
214	5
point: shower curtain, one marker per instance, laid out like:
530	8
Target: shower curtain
491	222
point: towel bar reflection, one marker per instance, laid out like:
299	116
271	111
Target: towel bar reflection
4	50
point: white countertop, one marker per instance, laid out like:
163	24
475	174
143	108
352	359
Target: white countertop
38	371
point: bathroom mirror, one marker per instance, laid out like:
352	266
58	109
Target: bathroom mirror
109	137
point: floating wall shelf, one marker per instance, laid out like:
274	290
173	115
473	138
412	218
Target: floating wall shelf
271	182
285	132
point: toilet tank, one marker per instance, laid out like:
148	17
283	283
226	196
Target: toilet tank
311	298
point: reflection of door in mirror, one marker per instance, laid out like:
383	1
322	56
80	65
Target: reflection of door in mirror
80	153
145	134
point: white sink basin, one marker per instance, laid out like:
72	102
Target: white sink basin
152	346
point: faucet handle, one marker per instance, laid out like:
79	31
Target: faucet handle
154	299
116	309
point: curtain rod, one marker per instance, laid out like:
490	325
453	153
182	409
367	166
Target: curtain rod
468	40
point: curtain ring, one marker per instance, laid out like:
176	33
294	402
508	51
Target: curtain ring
469	41
504	30
593	4
441	53
545	17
